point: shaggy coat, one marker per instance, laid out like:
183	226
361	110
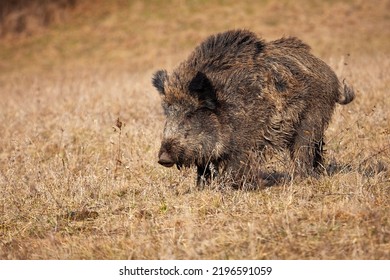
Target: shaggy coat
237	94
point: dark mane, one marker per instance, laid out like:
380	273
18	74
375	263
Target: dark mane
290	42
224	50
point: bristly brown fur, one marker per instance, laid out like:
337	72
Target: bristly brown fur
237	94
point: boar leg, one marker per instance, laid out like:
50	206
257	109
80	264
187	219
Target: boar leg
307	149
205	174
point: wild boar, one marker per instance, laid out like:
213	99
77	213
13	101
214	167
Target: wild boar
237	94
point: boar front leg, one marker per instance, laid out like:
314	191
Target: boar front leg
206	173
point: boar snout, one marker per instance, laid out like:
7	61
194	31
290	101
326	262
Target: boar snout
164	159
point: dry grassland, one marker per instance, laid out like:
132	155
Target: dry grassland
80	127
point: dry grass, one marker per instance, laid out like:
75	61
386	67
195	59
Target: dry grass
77	184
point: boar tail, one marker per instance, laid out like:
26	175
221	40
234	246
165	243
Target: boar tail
347	94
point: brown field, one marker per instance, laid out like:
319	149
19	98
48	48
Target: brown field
77	184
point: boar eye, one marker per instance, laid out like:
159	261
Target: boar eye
189	115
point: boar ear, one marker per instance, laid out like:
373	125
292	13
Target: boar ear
159	79
201	87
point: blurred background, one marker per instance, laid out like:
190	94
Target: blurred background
133	35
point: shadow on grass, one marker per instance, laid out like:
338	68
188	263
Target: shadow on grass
367	169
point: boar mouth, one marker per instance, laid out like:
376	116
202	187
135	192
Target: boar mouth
166	164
